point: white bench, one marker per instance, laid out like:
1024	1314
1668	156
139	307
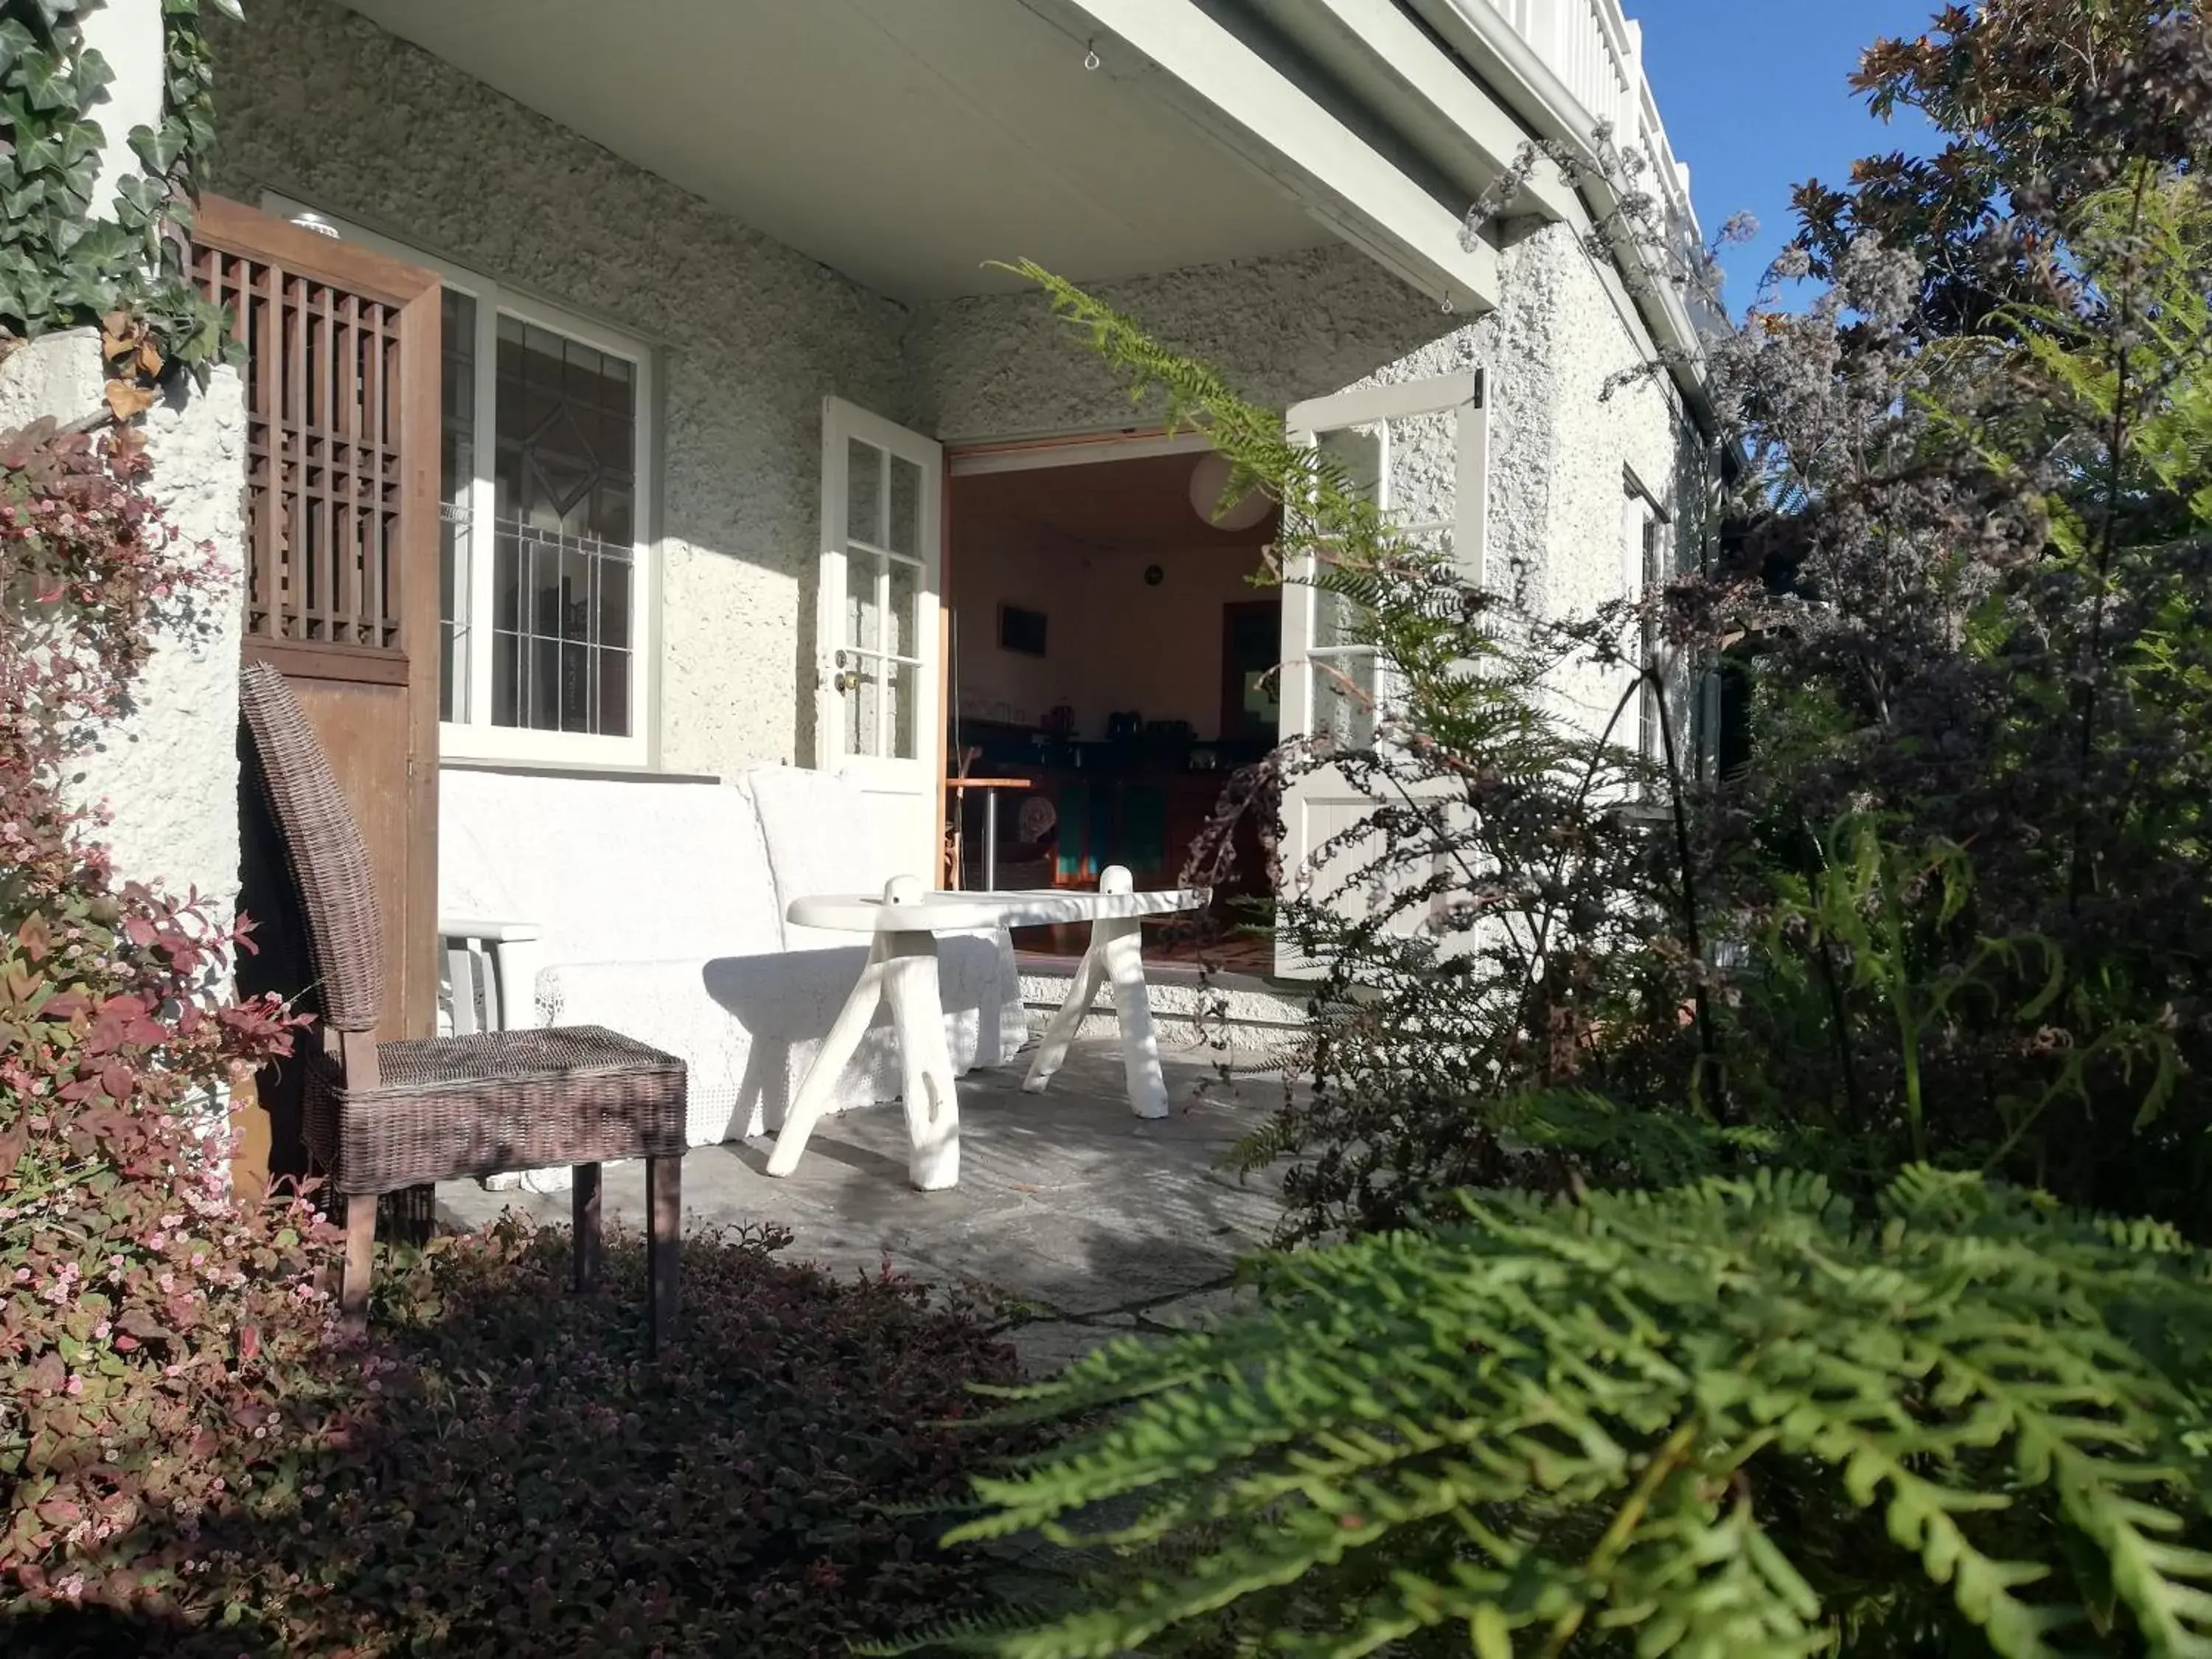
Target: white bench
658	907
905	924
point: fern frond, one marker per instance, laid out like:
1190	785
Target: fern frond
1541	1424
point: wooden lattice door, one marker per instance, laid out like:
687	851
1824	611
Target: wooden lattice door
341	380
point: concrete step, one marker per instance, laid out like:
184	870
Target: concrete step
1247	1020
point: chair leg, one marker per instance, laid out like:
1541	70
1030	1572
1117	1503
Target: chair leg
360	1257
587	1226
843	1042
664	1204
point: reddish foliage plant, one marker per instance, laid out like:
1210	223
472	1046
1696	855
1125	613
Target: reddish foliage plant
164	1351
191	1462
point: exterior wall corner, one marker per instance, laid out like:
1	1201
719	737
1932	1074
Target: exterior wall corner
167	770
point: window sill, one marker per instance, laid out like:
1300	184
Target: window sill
579	770
506	746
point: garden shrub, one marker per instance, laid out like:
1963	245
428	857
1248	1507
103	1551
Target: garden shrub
192	1456
161	1347
1714	1146
1734	1418
193	1459
517	1476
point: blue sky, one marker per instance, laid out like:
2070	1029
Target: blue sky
1753	93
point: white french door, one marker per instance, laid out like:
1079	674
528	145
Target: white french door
877	650
1420	452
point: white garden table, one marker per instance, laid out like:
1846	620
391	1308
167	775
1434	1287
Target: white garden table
905	923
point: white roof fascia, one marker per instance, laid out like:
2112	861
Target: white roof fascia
1410	81
1230	90
1504	61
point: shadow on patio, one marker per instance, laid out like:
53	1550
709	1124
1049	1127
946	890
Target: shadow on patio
1094	1220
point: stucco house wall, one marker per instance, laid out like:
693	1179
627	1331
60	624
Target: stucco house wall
1303	325
167	771
1613	419
321	106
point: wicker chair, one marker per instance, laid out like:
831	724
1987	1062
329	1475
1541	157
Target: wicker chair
385	1116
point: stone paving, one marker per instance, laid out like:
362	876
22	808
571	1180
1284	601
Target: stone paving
1094	1222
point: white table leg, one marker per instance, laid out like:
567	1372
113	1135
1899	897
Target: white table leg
1115	954
837	1050
1051	1051
1121	945
933	1104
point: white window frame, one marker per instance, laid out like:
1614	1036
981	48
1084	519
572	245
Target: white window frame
1466	394
1323	789
473	737
1647	552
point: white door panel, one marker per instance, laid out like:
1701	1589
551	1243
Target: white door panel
877	670
1421	450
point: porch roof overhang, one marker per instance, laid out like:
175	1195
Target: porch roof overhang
1481	37
907	145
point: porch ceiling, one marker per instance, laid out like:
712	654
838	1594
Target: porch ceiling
901	142
1141	503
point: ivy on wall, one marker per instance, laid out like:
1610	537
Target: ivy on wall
66	261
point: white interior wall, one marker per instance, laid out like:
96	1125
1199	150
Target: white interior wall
1113	642
1157	650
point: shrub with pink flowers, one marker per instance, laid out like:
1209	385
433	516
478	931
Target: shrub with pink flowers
161	1346
191	1458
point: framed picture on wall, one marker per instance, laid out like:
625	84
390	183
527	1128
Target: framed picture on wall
1021	630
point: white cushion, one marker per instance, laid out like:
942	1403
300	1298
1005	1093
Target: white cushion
661	906
823	835
610	869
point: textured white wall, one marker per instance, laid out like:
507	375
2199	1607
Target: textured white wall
1303	325
1281	329
319	105
1598	438
168	769
129	36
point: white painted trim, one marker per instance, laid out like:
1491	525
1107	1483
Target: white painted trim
1636	486
1365	405
474	737
913	779
975	462
1471	487
1406	67
1226	88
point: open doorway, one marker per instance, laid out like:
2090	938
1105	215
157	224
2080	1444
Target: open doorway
1112	663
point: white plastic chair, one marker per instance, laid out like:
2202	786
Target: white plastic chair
491	975
491	984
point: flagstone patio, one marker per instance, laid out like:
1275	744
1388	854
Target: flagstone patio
1091	1221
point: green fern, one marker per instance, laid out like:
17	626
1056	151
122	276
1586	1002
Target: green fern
1732	1418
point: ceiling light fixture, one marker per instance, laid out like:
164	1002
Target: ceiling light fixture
1208	480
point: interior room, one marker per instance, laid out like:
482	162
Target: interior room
1112	665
